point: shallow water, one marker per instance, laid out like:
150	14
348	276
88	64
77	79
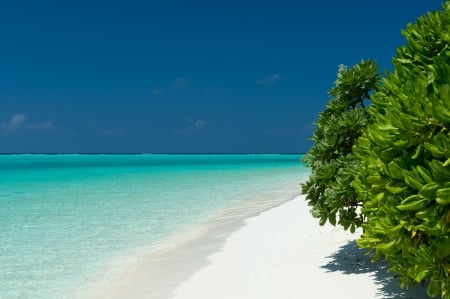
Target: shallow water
64	218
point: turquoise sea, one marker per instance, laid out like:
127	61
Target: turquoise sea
67	221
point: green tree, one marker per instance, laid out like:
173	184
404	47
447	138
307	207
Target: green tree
329	191
405	178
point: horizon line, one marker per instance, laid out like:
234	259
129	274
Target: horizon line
156	153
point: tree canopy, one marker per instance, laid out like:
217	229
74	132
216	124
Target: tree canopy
333	164
405	152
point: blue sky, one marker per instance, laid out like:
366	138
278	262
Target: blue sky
221	76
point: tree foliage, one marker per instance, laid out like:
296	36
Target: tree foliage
328	190
405	178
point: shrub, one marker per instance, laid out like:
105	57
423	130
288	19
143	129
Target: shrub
405	181
328	190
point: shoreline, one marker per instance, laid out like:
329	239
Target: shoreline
158	273
272	251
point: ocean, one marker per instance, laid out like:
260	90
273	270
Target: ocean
70	222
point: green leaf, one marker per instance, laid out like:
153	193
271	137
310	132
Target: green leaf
332	219
375	179
385	246
434	150
417	152
429	191
446	163
440	169
443	196
440	113
430	77
396	188
422	275
416	205
425	174
433	288
413	182
401	60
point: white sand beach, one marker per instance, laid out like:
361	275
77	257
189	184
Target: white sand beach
281	253
284	253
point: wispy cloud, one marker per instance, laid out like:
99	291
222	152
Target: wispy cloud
196	124
193	126
269	80
179	83
17	120
157	91
19	123
112	132
41	126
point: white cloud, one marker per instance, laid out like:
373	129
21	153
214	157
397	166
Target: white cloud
19	123
17	120
269	80
179	83
197	124
193	125
15	123
41	126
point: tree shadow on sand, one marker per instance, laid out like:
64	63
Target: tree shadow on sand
350	259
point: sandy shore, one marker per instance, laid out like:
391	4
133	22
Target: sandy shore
279	253
284	253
